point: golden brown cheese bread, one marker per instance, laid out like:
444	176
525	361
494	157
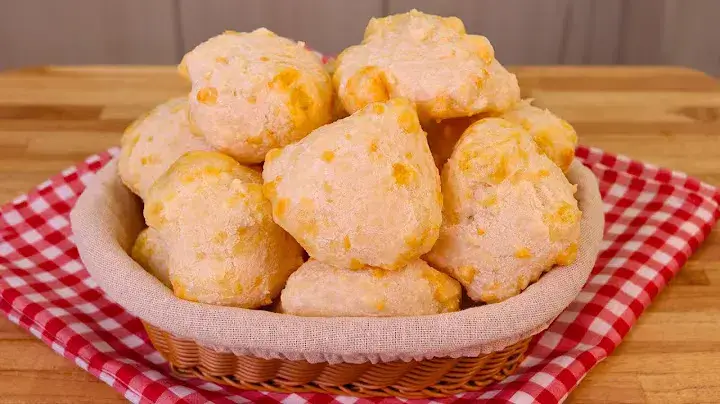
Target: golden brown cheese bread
255	91
222	244
509	212
338	109
153	142
321	290
151	253
555	137
429	60
443	135
361	191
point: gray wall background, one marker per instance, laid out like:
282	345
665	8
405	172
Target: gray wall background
672	32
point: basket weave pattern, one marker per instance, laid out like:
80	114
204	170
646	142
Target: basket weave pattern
437	377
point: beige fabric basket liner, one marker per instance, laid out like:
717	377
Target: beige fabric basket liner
107	218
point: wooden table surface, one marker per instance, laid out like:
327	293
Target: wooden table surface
53	117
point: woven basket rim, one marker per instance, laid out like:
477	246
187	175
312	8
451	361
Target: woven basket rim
439	377
251	331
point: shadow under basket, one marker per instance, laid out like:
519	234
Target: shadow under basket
439	377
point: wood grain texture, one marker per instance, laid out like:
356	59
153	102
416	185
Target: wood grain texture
674	32
521	31
692	33
30	372
38	32
639	32
592	34
642	31
53	117
328	26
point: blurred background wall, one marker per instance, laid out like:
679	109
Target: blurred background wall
676	32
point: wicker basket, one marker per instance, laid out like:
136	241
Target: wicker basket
439	377
274	352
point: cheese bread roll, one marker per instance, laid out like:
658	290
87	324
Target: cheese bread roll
555	137
151	253
361	191
429	60
443	135
338	109
255	91
222	244
509	212
321	290
153	142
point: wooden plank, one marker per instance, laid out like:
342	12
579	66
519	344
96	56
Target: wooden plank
135	85
37	387
34	357
605	37
642	32
671	32
52	387
577	32
35	32
691	34
592	35
39	375
10	331
590	31
616	388
328	26
664	388
522	32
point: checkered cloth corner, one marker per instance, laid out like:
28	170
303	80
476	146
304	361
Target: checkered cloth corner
655	219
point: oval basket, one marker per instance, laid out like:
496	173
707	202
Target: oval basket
439	377
414	357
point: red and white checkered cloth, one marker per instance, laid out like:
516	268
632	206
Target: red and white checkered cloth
655	219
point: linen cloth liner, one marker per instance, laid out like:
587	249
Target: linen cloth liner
107	218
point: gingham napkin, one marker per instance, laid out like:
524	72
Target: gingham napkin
655	219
